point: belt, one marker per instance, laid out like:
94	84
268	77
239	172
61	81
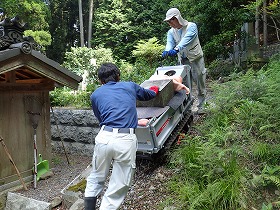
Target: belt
119	130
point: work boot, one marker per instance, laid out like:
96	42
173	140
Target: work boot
90	203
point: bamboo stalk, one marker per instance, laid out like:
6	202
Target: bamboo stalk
12	161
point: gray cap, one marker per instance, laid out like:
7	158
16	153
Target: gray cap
174	12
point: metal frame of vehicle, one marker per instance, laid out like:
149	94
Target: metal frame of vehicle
153	137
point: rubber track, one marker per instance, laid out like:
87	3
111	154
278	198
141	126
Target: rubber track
161	155
187	120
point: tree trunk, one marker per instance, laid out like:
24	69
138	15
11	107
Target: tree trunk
81	24
257	26
264	23
276	28
90	22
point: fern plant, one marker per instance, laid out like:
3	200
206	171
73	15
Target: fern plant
270	175
210	177
266	152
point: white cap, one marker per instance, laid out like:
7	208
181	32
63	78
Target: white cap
174	12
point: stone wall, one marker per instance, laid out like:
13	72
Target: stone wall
271	50
75	129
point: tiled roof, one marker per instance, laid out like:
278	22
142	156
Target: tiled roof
20	55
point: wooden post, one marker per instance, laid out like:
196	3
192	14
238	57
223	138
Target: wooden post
13	163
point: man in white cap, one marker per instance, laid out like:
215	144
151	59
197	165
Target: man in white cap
183	41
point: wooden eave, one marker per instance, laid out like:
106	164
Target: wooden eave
34	70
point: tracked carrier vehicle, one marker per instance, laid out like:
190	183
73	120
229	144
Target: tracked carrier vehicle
168	114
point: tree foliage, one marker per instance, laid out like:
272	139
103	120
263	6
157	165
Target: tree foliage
81	59
34	12
111	27
119	25
64	28
149	51
43	38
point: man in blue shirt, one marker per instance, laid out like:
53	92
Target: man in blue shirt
183	41
114	105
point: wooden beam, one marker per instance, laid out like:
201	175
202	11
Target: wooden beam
29	72
10	77
33	81
19	87
22	75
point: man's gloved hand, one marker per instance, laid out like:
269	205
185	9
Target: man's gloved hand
173	52
154	88
164	54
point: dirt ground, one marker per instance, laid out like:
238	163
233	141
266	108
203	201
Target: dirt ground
147	191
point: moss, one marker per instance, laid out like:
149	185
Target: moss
80	186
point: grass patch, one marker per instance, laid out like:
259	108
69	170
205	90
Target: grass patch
234	163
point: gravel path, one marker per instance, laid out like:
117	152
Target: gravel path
147	191
64	173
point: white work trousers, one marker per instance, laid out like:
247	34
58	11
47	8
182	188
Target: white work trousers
198	74
118	149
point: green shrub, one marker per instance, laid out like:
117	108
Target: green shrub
220	68
266	152
140	72
239	137
148	51
65	97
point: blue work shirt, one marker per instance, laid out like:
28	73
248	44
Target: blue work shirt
114	103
